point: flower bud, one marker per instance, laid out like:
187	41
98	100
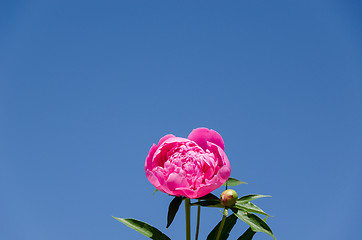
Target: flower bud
229	198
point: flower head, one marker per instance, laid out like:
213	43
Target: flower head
190	167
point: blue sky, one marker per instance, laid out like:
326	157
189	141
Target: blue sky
86	87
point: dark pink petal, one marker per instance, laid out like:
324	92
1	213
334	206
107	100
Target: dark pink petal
161	179
224	174
203	135
175	181
224	169
161	152
208	170
202	191
175	140
219	154
148	163
164	138
152	178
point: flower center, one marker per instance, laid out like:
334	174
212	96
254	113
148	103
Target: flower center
190	161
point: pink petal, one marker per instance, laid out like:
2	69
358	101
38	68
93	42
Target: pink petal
162	150
175	181
152	178
164	138
202	135
176	140
224	174
219	154
202	191
148	163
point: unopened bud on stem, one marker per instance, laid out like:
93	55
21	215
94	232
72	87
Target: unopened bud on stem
229	198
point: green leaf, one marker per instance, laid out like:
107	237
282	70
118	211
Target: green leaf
144	228
231	182
248	198
209	203
248	234
172	209
256	223
156	190
228	226
209	196
250	207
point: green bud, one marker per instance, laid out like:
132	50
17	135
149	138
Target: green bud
228	198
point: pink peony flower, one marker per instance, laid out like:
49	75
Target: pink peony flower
191	167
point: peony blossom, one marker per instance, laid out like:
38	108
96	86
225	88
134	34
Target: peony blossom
191	167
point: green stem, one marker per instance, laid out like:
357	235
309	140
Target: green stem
187	215
221	225
198	221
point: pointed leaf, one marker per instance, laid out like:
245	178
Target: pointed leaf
172	210
143	228
156	190
249	207
209	203
248	198
228	226
249	234
256	224
231	182
209	196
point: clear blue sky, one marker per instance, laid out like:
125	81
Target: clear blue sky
86	87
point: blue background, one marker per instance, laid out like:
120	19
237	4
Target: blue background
86	87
